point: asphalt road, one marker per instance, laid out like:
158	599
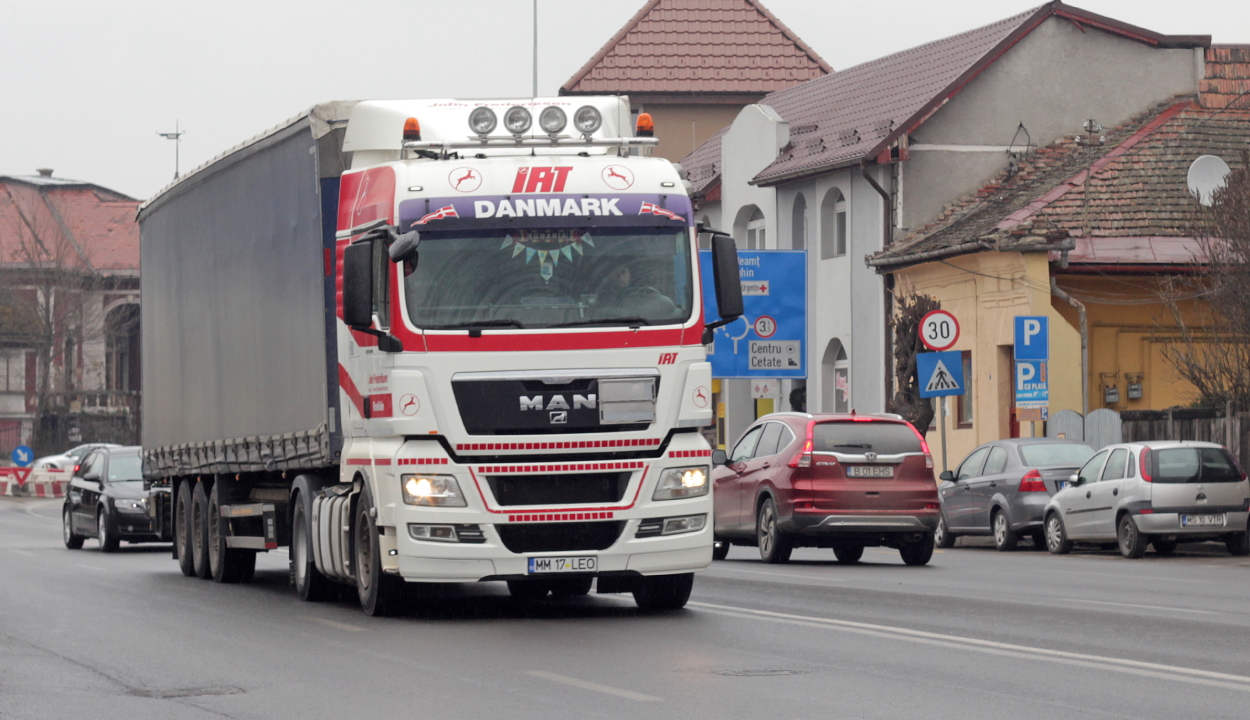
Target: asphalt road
976	634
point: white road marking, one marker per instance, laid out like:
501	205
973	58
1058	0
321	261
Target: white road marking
1187	581
1146	607
592	686
1131	667
333	623
91	567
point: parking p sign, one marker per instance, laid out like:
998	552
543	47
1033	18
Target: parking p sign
1032	337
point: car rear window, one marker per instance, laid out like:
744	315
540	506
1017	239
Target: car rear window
1074	454
856	438
125	467
1192	465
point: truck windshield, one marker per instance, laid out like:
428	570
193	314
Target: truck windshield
557	277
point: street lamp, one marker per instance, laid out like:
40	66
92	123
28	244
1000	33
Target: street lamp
176	136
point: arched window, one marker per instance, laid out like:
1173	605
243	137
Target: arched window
705	239
835	386
798	223
749	228
121	348
833	225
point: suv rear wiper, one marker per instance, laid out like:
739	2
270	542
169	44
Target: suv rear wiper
852	445
499	322
608	321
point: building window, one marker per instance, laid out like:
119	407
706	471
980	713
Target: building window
835	391
833	225
121	349
964	412
798	223
755	231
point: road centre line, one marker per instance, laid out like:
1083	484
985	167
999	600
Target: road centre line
1146	607
332	623
583	684
1132	667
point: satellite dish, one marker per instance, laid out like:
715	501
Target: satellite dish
1206	175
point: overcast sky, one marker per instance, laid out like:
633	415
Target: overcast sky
86	85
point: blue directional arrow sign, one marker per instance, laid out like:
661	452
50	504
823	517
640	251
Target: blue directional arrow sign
768	340
940	373
23	456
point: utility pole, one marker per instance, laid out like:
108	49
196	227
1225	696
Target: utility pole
176	136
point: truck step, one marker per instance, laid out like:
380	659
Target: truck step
246	510
250	543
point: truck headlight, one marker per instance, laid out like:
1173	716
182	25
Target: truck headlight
432	490
683	482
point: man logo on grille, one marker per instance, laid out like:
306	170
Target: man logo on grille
559	418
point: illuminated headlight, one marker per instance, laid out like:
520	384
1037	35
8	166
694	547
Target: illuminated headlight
130	505
432	490
587	119
517	120
677	483
552	120
482	121
686	524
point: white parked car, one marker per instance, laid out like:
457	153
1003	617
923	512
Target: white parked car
1158	493
68	459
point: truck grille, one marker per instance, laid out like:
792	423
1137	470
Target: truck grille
578	489
560	537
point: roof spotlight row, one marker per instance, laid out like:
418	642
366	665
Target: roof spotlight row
517	120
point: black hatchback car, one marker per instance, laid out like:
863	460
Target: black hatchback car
106	500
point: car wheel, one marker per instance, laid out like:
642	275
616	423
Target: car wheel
1164	547
918	552
774	547
1004	537
720	549
311	585
73	540
225	564
572	587
182	529
1238	544
1057	541
106	530
663	592
381	594
942	536
1132	543
199	531
848	554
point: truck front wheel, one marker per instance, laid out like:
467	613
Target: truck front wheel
663	592
380	594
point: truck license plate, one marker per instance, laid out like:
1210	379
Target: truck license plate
870	471
1193	520
544	565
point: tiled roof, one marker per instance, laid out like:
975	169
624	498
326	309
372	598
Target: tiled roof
1123	200
699	46
703	166
78	225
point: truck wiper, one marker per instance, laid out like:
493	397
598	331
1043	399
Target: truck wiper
606	321
498	322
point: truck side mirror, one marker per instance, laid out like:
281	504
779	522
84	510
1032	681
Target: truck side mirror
728	283
358	285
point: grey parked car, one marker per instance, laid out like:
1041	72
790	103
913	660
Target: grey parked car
1158	493
1002	487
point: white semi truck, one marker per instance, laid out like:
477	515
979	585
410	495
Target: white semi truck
434	341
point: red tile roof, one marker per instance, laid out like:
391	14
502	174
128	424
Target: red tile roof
699	46
78	225
855	113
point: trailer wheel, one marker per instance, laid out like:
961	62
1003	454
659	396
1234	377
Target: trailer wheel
380	594
226	565
311	585
199	531
182	529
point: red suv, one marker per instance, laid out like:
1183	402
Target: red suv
838	481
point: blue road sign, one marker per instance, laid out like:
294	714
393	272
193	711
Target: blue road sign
1032	337
770	339
1032	384
940	373
23	456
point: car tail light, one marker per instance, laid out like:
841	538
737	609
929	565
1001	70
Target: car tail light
76	467
804	457
1032	482
932	506
928	457
1144	460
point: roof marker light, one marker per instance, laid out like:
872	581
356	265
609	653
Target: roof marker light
517	120
646	126
552	120
482	121
587	120
412	129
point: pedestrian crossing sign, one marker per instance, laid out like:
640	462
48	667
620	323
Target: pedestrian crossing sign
940	373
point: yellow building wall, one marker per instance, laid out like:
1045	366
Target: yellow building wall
683	128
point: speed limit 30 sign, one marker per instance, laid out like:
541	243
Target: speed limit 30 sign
939	330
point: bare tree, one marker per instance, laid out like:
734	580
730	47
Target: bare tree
1212	308
909	310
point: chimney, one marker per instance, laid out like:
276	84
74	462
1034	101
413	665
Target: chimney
44	172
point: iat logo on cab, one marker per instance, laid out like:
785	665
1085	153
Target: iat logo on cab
668	358
540	179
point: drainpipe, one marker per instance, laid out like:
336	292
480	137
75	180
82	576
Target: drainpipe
1080	310
887	239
